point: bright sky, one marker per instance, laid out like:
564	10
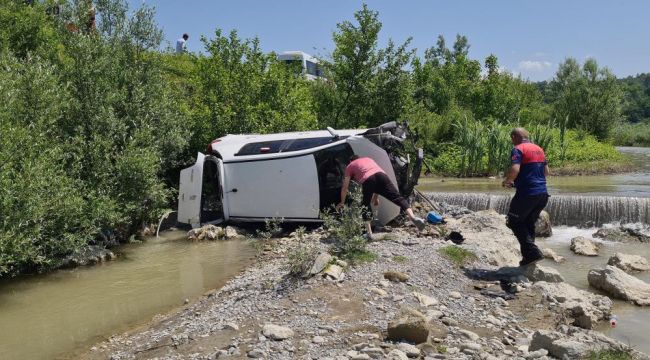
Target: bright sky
528	37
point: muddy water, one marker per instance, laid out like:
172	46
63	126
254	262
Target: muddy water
54	315
633	321
636	184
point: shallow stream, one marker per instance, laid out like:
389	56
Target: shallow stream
633	321
55	315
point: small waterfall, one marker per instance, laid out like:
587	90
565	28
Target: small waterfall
571	210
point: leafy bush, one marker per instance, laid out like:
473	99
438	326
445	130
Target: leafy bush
86	131
632	134
346	228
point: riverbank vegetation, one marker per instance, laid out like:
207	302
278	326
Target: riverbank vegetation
96	120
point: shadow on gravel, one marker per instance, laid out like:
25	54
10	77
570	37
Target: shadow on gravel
507	276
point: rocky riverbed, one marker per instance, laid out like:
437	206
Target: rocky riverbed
411	301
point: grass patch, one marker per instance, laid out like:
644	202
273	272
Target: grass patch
360	257
594	168
400	258
611	354
441	349
457	254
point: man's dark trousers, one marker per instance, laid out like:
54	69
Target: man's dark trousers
522	215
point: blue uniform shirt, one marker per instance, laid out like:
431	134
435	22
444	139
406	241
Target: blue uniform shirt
531	179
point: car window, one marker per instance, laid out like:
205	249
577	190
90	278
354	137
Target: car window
270	147
264	147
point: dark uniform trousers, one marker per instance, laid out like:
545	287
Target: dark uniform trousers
522	215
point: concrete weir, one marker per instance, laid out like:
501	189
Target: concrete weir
571	210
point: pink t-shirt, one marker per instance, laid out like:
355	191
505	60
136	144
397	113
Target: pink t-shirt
362	168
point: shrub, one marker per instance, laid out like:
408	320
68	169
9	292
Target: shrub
632	134
346	228
611	354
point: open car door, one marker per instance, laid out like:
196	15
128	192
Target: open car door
189	193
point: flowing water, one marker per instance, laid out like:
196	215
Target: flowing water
54	315
633	321
584	201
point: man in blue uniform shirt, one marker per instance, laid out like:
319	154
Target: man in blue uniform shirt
528	175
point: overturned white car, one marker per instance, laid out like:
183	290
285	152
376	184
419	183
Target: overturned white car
294	176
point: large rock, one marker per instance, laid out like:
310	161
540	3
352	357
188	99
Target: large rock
629	263
486	234
543	225
558	346
583	308
625	233
542	273
620	285
277	332
410	326
321	262
569	343
583	246
334	272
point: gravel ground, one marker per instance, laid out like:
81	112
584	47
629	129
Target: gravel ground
348	317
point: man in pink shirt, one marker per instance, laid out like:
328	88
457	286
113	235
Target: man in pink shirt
374	182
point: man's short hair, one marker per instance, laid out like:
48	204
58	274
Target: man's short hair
520	133
185	36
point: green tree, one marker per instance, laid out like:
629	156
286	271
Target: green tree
241	89
366	85
590	96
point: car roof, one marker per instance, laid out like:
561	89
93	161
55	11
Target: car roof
230	145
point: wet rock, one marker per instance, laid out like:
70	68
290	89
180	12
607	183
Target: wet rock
334	272
320	263
583	246
550	254
542	273
625	233
584	308
207	232
543	226
629	263
276	332
396	276
620	285
88	255
230	232
425	300
410	325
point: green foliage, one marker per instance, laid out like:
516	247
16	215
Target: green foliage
636	98
360	257
457	254
632	134
346	228
366	86
88	124
611	354
301	257
400	258
589	96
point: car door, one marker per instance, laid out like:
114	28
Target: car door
361	146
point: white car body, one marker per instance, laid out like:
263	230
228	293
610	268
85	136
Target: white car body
243	179
311	69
